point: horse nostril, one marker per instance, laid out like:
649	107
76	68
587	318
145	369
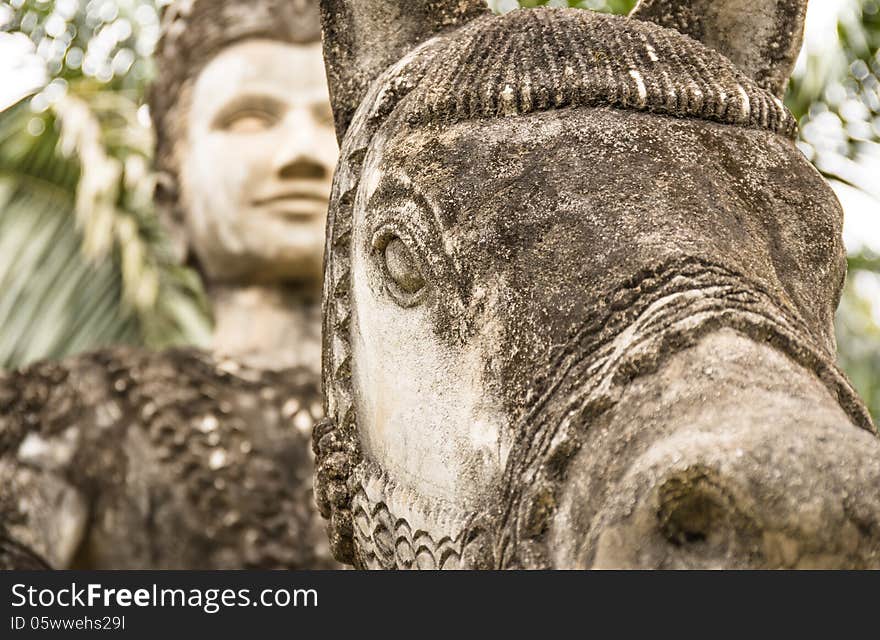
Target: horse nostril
693	505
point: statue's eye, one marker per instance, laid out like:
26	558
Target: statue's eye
249	122
401	269
250	114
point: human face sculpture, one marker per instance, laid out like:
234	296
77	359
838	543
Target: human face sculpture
257	164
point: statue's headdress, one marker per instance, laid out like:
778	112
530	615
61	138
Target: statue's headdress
193	32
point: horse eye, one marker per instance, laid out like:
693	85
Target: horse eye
402	267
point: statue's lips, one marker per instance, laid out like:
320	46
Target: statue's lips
300	204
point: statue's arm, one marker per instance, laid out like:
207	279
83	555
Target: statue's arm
46	412
43	517
15	557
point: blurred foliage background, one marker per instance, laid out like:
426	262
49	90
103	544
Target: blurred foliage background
84	263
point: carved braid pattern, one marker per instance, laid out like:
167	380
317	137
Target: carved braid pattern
334	440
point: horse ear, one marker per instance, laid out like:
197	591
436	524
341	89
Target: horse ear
761	37
364	37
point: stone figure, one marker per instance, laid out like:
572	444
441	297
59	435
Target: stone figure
188	459
578	296
246	149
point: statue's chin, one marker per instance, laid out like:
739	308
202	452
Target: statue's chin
395	527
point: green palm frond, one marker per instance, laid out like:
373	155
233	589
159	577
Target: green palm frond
82	260
53	301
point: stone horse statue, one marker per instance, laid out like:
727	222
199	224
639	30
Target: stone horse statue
578	296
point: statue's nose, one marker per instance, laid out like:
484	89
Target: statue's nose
697	505
758	499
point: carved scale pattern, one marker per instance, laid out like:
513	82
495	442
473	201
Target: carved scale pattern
385	541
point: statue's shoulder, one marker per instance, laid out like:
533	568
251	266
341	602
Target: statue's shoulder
46	398
45	408
127	386
213	453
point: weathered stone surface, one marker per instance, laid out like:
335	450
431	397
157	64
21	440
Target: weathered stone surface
759	468
763	37
364	38
578	309
128	459
14	557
